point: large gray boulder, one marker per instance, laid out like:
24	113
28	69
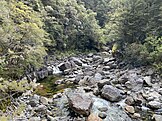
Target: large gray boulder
42	74
135	82
65	65
111	93
77	61
80	103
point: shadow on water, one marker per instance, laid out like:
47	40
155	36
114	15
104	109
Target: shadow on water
48	86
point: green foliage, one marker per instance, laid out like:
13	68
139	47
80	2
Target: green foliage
71	26
4	118
9	89
16	112
19	110
146	54
131	21
22	38
35	4
136	25
137	54
4	103
101	7
154	45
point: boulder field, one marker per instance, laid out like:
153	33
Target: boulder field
106	90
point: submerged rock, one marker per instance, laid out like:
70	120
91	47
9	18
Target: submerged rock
113	113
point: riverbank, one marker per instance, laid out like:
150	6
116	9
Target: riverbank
104	90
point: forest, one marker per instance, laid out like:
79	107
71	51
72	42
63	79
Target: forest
34	31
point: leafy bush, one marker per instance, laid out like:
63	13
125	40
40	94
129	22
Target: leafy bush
137	54
10	89
16	112
154	46
22	38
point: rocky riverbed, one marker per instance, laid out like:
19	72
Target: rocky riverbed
101	89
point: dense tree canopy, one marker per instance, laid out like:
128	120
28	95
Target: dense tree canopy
136	25
101	7
21	36
30	27
71	25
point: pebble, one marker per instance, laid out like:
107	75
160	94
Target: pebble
102	115
155	104
136	115
44	100
93	117
130	109
50	118
35	119
129	100
103	109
